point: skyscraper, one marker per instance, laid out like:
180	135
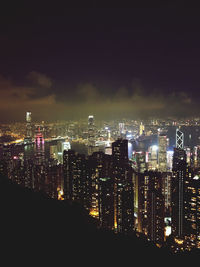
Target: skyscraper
76	178
178	187
153	158
100	168
39	160
121	129
162	153
166	190
123	187
28	137
140	160
151	206
141	129
192	212
106	203
120	153
68	163
179	139
91	135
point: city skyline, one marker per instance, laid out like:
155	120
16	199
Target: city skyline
131	177
110	62
99	112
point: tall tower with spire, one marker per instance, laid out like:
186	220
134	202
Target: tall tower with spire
28	137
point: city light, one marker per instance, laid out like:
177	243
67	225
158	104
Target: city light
128	183
155	147
94	213
100	132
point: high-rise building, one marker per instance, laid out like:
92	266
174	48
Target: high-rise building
29	157
68	163
29	173
39	162
188	155
179	139
79	178
178	186
141	164
141	129
169	160
76	178
192	212
5	162
53	179
151	206
100	167
28	137
162	153
91	135
166	190
17	170
106	203
123	187
120	153
195	156
121	129
153	158
61	146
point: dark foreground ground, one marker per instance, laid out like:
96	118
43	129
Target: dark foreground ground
41	231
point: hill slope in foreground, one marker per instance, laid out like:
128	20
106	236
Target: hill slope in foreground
37	229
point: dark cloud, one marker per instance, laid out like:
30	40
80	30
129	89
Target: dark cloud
86	98
39	79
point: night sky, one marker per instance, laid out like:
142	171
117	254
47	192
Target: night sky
67	63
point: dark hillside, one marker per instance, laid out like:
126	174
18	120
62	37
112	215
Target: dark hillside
37	229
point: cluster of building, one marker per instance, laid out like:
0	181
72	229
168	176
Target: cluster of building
152	191
103	184
28	166
148	193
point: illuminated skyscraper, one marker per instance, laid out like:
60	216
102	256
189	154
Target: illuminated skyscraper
100	168
39	160
79	179
188	155
17	173
192	212
162	153
106	203
28	137
196	156
53	179
151	206
166	189
76	178
68	163
61	146
141	129
169	160
153	158
123	187
179	139
121	129
29	165
140	158
120	152
178	186
91	135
